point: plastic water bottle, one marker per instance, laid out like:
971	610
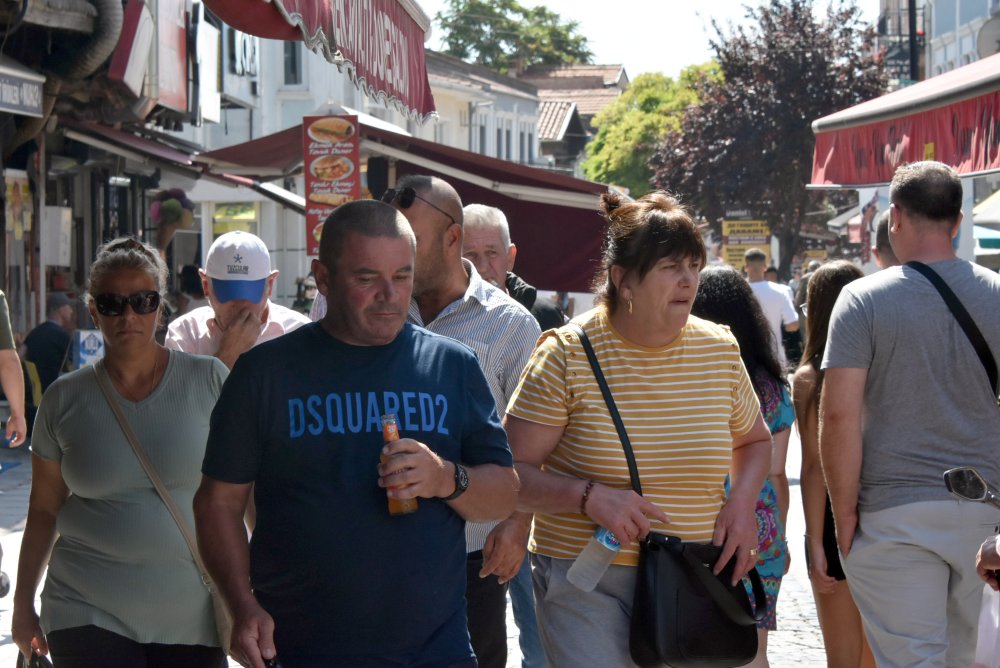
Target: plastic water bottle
590	566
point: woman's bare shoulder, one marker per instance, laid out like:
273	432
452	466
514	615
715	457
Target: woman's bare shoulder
804	380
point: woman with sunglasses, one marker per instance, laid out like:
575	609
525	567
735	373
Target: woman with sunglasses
122	588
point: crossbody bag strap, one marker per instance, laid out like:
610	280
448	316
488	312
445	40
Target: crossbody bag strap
723	597
147	466
965	320
633	470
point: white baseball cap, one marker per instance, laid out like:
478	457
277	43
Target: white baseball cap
238	265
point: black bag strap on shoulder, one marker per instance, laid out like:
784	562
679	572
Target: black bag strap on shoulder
633	470
965	320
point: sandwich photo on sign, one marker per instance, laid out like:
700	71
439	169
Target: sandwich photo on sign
331	130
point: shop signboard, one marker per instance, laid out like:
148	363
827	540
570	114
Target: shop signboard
20	89
18	204
88	347
235	217
332	170
739	236
172	54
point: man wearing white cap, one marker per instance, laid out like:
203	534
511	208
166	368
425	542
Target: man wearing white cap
237	280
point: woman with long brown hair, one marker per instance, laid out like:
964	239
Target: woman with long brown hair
725	297
839	619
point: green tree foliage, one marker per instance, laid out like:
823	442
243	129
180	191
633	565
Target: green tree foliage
630	129
509	37
748	143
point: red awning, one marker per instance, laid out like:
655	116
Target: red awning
953	118
380	42
127	144
553	217
141	149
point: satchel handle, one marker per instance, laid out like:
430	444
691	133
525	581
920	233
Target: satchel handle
722	596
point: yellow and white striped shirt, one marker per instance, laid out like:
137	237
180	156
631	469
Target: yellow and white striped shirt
682	405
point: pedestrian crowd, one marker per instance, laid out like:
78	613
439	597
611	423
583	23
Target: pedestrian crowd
364	486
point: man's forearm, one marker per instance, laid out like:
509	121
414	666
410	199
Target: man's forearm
492	493
840	447
840	454
222	542
544	492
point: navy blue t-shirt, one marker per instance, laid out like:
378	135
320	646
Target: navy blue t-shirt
301	417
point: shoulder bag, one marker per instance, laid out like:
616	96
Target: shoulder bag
683	615
965	321
223	620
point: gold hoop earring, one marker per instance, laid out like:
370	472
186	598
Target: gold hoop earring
629	306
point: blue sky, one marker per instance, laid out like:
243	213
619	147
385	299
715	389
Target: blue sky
645	35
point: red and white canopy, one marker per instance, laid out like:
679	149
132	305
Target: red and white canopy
953	118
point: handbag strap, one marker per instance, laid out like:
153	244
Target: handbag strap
147	466
965	320
633	470
722	596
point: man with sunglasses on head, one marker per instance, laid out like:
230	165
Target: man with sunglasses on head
237	280
450	298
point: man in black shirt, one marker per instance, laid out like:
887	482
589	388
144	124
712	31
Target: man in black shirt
47	344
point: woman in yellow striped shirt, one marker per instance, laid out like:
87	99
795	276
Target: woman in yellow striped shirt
690	412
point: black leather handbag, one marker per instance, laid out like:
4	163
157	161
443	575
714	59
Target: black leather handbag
683	615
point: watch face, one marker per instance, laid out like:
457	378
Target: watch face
461	478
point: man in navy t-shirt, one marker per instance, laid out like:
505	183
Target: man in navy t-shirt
330	578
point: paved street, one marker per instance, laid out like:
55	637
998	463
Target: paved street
797	643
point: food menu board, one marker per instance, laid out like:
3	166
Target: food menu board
332	170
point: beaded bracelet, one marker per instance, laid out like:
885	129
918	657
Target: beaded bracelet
586	495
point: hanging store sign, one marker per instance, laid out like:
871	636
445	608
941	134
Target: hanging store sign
20	89
331	168
172	54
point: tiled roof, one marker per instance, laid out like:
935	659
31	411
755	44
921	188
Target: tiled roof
588	101
553	119
548	77
456	71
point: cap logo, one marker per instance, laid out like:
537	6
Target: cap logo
239	267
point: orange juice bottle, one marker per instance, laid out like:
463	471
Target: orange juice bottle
390	433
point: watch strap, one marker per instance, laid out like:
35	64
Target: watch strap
460	473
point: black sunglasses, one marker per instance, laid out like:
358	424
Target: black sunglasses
142	303
405	198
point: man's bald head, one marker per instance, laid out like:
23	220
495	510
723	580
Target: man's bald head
436	192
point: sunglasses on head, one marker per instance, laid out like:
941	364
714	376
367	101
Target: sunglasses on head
142	303
405	197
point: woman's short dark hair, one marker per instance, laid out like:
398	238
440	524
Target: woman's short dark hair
725	297
641	233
